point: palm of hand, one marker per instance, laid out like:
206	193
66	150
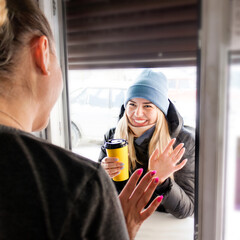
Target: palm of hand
166	163
134	198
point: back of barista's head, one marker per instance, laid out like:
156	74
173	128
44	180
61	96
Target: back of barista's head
20	22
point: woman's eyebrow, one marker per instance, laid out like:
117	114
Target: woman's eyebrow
142	102
147	103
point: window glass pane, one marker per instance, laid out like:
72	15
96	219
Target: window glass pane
97	95
117	97
232	194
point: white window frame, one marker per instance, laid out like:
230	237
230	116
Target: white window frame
58	130
214	45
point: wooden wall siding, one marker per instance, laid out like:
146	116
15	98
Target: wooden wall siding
136	33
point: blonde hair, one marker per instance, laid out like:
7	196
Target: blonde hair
3	12
20	22
160	138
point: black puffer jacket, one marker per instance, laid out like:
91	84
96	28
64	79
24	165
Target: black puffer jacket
178	193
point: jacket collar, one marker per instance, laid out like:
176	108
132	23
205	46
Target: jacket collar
175	120
145	136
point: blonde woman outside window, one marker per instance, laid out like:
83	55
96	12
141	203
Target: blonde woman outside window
158	141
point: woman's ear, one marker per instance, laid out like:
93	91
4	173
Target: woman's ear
41	54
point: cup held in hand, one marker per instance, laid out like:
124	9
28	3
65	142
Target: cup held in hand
119	148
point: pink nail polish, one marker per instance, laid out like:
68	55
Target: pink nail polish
160	198
153	173
139	171
156	180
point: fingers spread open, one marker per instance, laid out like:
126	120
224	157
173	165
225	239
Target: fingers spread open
151	208
154	155
169	146
131	184
146	195
142	186
180	165
177	150
178	156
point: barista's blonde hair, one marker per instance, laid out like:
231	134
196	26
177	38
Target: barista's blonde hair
160	138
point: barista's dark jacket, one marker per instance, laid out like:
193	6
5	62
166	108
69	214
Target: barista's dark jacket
178	193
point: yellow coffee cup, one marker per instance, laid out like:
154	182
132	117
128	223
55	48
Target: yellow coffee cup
119	148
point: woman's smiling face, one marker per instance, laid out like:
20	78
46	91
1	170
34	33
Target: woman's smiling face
141	112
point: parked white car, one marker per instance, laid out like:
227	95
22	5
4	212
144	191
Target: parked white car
93	110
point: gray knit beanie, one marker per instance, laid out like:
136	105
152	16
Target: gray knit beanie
151	86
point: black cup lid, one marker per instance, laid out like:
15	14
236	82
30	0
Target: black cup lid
115	143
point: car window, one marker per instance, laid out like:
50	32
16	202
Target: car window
79	96
117	97
98	97
95	97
